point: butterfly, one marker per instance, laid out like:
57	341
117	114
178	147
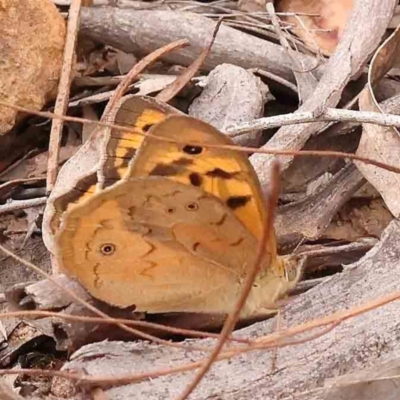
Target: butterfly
178	232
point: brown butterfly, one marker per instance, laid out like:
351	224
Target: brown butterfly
179	232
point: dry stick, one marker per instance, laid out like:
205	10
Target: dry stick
262	343
63	93
310	37
91	307
233	317
337	317
328	114
324	115
276	327
250	27
22	204
324	331
309	153
115	321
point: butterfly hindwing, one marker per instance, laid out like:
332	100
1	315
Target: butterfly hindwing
159	245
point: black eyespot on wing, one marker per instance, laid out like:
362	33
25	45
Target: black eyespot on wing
192	207
235	202
107	249
164	170
220	173
195	179
195	246
192	150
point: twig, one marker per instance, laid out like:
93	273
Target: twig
116	321
263	342
311	37
328	114
63	93
21	204
325	115
282	39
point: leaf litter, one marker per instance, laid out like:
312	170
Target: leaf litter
330	210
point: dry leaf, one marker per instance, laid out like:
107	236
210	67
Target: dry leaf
32	42
154	84
379	142
323	26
